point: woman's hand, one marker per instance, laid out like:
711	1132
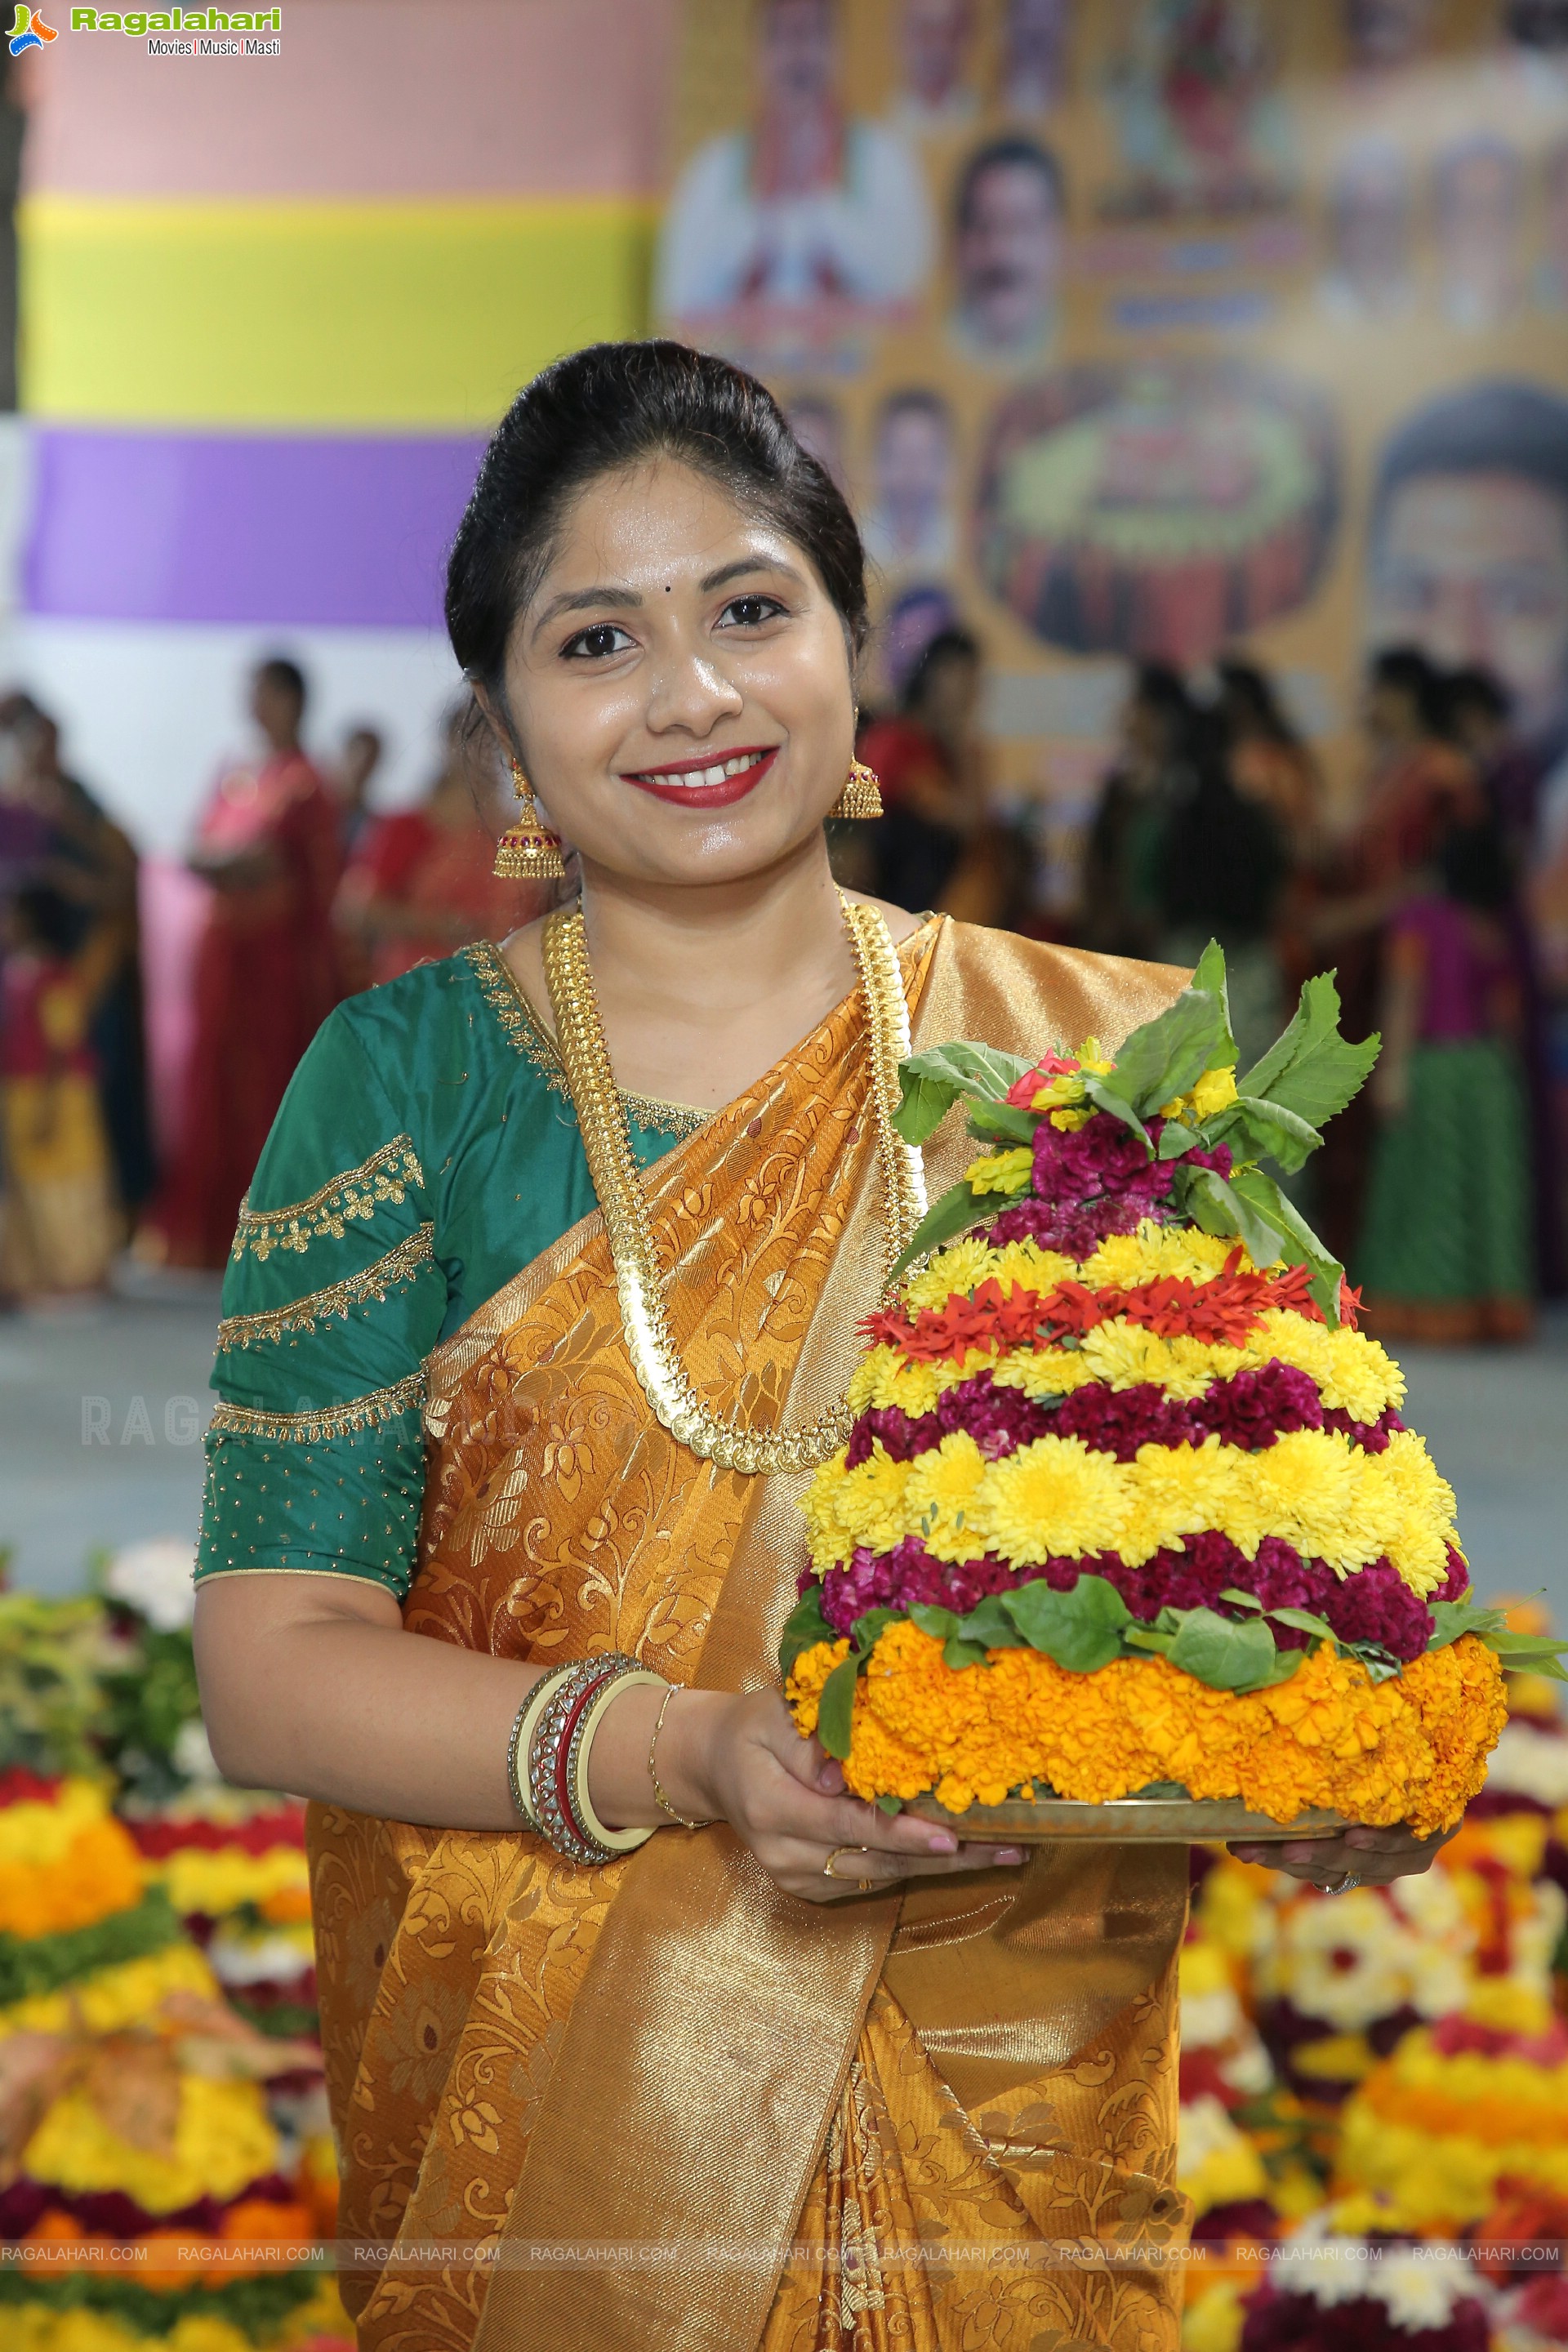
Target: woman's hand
1371	1857
744	1761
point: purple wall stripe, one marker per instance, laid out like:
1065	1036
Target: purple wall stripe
246	527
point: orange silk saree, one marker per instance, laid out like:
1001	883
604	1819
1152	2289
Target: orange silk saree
801	2126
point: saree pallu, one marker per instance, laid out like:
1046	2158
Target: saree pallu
667	2052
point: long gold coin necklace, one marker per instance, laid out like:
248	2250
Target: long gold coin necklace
639	1283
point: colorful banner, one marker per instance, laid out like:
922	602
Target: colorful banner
1156	327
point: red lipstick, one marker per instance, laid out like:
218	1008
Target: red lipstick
661	782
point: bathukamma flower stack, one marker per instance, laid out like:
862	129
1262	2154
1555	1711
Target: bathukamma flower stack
1127	1506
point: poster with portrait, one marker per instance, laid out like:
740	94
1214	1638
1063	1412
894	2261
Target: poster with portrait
1146	329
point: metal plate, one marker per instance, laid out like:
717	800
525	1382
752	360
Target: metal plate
1123	1820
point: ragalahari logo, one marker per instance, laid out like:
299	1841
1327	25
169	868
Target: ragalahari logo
29	31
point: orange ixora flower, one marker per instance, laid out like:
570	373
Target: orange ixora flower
1412	1748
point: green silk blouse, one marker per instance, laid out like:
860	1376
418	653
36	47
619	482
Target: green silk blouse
425	1152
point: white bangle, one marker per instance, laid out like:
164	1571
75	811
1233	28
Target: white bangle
522	1731
618	1840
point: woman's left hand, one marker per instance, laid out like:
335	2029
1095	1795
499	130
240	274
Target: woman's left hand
1369	1856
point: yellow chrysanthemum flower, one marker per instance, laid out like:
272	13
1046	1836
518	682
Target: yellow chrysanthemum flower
1027	1263
1194	1363
1174	1491
863	1506
883	1376
961	1268
1054	1496
1303	1487
1044	1372
1125	1260
944	1500
1001	1172
1126	1356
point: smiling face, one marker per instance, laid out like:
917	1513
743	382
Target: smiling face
681	685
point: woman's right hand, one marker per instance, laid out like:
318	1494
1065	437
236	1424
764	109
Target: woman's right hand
784	1796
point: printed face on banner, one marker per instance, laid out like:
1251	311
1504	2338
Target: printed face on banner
1158	329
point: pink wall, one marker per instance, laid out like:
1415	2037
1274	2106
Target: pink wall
370	97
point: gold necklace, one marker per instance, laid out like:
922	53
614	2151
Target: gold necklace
638	1282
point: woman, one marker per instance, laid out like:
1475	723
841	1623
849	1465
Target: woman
1445	1251
266	972
1269	761
1418	784
1222	871
930	847
658	599
58	1227
1125	856
421	883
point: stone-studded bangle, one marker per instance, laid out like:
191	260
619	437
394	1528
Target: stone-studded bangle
588	1820
522	1731
548	1775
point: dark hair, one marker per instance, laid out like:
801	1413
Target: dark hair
1474	688
1224	859
1159	685
615	405
1406	669
998	154
278	670
50	918
1494	426
1473	862
1243	682
948	645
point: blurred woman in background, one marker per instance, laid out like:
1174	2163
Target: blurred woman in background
266	972
421	884
1223	868
58	1227
1444	1252
1123	911
929	850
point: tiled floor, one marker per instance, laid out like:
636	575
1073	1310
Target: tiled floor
101	1407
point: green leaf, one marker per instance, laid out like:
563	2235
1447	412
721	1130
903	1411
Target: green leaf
1255	1129
1221	1207
803	1627
957	1210
835	1707
1105	1098
1304	1621
1082	1630
1299	1244
989	1623
1380	1665
890	1804
958	1654
931	1083
1228	1656
1242	1600
1312	1069
1169	1054
1003	1120
1176	1139
1210	976
940	1624
1536	1654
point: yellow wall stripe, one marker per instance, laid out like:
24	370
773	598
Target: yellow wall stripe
419	315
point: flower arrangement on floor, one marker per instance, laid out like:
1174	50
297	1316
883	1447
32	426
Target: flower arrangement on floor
1127	1506
138	2108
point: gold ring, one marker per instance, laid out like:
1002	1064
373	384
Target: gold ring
862	1885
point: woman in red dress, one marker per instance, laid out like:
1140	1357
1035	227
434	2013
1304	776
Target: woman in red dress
267	973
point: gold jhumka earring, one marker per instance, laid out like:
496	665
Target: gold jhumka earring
528	851
862	794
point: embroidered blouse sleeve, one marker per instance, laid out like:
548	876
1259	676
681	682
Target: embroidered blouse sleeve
332	1300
